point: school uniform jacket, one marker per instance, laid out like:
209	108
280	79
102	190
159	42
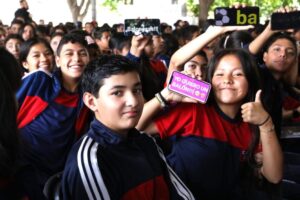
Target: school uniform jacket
106	165
49	120
208	148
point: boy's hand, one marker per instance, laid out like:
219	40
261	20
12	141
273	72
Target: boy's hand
238	5
138	43
254	112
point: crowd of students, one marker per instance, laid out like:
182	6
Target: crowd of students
92	105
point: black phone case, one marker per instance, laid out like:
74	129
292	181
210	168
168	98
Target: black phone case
282	21
142	26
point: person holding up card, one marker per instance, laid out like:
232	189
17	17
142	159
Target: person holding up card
224	149
191	52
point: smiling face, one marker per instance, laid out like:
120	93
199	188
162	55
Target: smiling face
119	103
72	60
280	56
229	82
39	56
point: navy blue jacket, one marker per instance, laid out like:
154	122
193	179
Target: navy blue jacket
106	165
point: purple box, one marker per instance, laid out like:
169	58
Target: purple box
188	86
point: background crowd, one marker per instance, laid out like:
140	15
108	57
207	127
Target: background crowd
90	106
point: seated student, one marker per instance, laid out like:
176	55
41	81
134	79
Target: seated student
16	26
12	43
54	40
10	81
153	72
102	36
280	66
28	31
114	160
36	53
51	114
170	45
227	145
119	44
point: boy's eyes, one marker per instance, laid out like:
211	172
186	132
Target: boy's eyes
82	53
137	91
192	66
35	55
117	93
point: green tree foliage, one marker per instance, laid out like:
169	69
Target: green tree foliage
192	7
112	4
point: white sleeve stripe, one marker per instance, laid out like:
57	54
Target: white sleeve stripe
80	167
98	176
181	188
89	170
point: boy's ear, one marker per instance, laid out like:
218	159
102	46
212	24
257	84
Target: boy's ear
25	65
264	56
89	101
57	61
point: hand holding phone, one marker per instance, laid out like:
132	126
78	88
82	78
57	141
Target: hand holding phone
190	87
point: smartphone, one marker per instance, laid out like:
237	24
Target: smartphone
225	16
142	27
282	21
190	87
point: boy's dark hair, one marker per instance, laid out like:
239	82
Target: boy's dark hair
119	41
170	44
73	38
56	34
188	32
17	21
98	31
26	46
202	54
103	67
13	36
277	36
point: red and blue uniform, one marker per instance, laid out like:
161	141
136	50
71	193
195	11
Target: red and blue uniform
50	119
208	148
106	165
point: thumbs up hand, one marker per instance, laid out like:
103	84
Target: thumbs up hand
254	112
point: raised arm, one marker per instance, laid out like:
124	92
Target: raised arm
256	45
189	50
138	43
